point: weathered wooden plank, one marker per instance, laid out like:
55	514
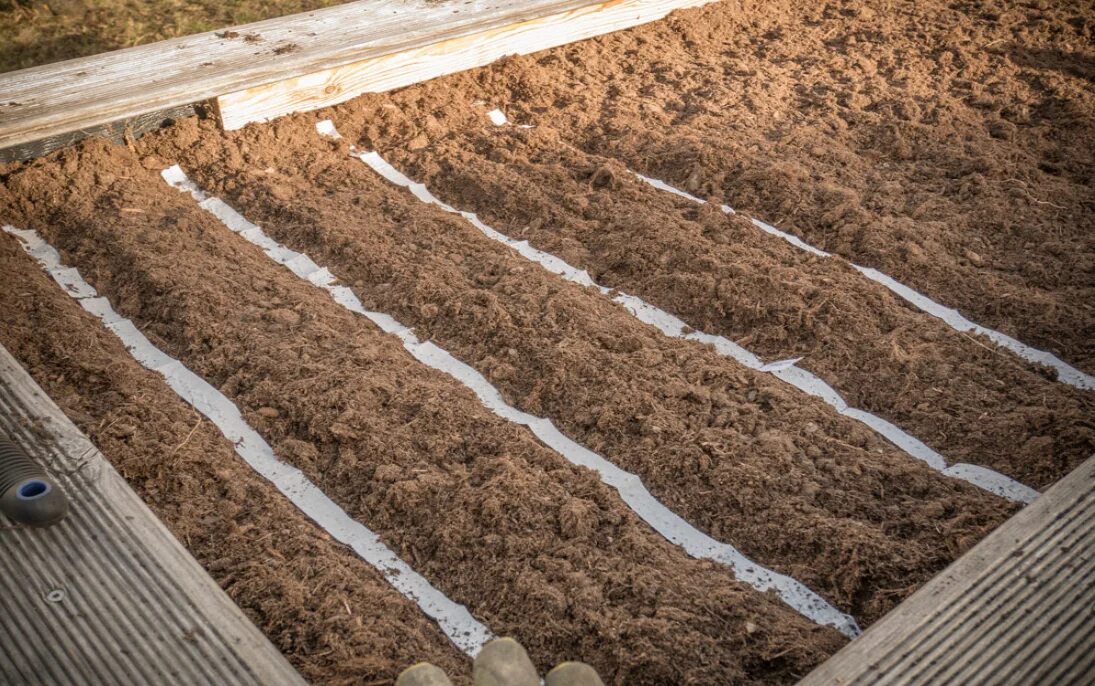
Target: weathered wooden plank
117	131
108	595
415	64
1015	609
55	99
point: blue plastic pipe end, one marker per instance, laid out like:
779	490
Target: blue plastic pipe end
34	502
27	495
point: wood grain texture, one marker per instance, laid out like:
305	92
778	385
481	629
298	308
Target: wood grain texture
108	595
514	36
1016	609
58	98
117	132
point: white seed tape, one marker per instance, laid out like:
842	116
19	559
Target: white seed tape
454	619
629	486
498	118
671	326
1066	373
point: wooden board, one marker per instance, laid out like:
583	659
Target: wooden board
117	131
412	65
401	40
1015	609
108	595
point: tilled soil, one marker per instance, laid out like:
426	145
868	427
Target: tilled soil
335	617
532	545
960	394
949	144
743	456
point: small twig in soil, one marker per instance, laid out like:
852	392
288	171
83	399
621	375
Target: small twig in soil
1034	199
994	351
187	439
1042	202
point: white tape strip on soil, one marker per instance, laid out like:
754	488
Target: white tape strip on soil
1066	373
454	619
671	326
630	487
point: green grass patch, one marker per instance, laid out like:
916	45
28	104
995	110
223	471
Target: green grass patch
34	32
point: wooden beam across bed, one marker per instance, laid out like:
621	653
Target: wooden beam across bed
300	62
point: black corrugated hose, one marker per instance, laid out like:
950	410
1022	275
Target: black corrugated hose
27	495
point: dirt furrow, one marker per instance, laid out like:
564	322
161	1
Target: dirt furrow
335	618
535	547
950	145
962	169
742	456
966	398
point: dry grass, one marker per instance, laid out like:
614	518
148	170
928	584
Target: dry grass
34	32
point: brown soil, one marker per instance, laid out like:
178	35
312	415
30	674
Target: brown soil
746	458
535	547
965	397
335	618
949	144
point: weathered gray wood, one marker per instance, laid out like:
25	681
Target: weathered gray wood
68	96
519	34
117	131
1019	608
109	596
